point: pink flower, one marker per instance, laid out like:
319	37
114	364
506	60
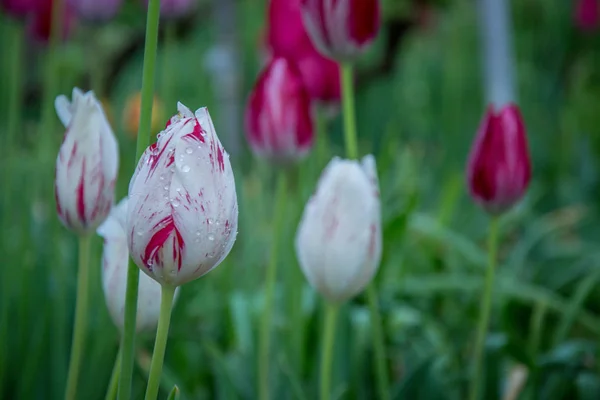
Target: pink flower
279	124
175	8
40	24
96	10
87	163
182	213
587	14
341	29
18	8
499	168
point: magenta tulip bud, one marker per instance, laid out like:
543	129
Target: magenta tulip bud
40	24
96	10
18	8
279	124
175	8
499	168
587	14
87	163
342	29
183	213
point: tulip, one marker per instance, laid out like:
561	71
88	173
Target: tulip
87	163
499	168
279	123
183	212
96	10
115	259
587	14
175	8
18	8
131	114
338	242
341	29
40	25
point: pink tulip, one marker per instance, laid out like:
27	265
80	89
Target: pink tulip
341	29
279	124
96	10
87	163
182	213
587	14
40	24
499	168
18	8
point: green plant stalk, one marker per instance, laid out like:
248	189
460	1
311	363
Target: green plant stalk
331	311
81	311
270	280
113	384
485	310
351	142
160	344
535	327
143	140
322	138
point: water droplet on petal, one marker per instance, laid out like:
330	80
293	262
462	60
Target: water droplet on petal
166	187
175	202
210	221
178	189
139	233
189	150
211	237
185	168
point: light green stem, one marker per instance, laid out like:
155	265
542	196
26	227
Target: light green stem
351	142
322	138
331	311
81	309
113	384
270	280
160	344
485	310
143	140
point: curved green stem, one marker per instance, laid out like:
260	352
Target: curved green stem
160	344
485	310
113	384
350	137
331	311
143	140
81	308
270	280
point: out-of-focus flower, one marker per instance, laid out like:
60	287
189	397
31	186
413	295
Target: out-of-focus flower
87	163
339	241
287	37
587	14
96	10
279	123
18	8
175	8
40	24
499	168
131	115
115	261
182	215
341	29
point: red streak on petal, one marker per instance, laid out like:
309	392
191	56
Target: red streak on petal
197	132
157	241
72	156
81	195
58	207
220	158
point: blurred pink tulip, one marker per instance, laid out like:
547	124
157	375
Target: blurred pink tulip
182	215
587	14
87	163
40	23
96	10
499	168
175	8
341	29
279	123
18	8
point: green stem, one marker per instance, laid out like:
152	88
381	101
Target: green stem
350	136
322	139
331	311
270	280
113	384
383	384
536	325
160	344
81	309
485	310
143	140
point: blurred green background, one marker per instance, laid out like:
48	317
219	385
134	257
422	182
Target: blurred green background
418	107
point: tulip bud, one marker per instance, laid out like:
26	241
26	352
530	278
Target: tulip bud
40	24
175	8
115	261
341	29
338	242
587	14
131	115
96	10
279	124
87	163
182	215
499	168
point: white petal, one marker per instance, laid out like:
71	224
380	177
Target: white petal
63	109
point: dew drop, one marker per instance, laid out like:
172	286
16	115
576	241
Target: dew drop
175	202
185	168
210	221
178	189
162	177
189	150
211	237
166	187
139	233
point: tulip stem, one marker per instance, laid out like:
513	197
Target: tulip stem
81	308
331	311
352	153
486	305
270	280
113	384
143	140
160	344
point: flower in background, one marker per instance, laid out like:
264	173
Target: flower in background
175	8
115	261
87	163
279	124
587	14
40	24
96	10
342	29
287	37
131	115
339	238
18	8
499	168
183	213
